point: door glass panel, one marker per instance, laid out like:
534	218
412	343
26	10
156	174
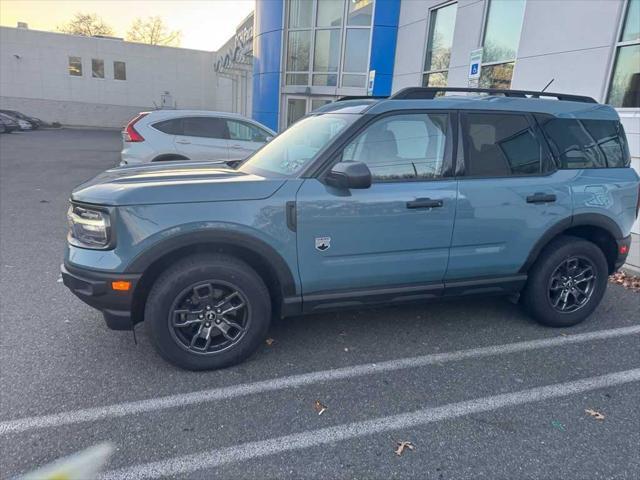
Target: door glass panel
330	13
327	51
351	80
205	127
170	127
402	147
360	12
322	80
500	145
631	30
300	12
502	32
496	76
296	109
318	102
437	79
298	51
442	23
356	49
625	83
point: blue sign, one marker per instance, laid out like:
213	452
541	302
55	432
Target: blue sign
474	69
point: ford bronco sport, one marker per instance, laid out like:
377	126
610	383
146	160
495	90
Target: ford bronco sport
365	201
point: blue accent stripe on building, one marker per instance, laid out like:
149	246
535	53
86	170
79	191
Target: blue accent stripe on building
383	44
267	55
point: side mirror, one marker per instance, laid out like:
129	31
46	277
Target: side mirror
349	175
268	139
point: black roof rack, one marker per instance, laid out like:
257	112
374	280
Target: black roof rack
361	97
428	93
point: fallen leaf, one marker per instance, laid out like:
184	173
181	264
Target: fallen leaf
401	447
319	407
269	341
558	425
595	414
629	282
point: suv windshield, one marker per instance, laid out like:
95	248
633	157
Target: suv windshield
294	148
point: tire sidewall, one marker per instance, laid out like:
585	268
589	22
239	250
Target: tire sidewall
184	274
536	295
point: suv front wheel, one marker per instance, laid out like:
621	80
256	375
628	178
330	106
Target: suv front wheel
566	283
207	312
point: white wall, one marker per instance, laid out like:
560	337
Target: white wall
34	77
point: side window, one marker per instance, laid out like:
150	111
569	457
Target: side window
207	127
500	145
402	147
171	127
587	143
246	132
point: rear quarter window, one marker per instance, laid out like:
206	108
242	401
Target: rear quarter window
171	127
587	143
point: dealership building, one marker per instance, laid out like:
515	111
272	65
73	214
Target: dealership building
293	56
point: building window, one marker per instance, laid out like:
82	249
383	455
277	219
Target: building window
97	68
328	42
75	66
436	64
501	39
119	70
624	87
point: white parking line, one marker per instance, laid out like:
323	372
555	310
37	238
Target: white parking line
225	393
312	438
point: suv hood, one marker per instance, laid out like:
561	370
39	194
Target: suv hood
174	182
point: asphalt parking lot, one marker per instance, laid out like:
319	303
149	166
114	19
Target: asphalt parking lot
480	390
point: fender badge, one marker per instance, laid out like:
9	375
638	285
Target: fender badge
323	243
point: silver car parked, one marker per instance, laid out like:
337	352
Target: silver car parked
164	135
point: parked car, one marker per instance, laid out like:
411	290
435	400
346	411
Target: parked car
9	124
415	197
164	135
33	121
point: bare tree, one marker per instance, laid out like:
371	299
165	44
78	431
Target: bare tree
86	24
154	32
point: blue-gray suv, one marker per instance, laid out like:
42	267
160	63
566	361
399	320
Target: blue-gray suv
365	201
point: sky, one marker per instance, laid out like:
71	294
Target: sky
205	24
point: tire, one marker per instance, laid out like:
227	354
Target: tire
549	276
178	295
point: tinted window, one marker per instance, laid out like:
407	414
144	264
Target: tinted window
119	70
246	132
75	66
205	127
500	145
97	68
587	143
172	127
402	147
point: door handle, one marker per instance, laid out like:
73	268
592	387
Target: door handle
183	142
539	197
237	147
424	203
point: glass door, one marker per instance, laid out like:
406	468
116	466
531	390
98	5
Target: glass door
298	107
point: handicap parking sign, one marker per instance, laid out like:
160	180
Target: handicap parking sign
474	69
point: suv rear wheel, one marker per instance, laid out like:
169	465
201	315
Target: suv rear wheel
566	283
207	312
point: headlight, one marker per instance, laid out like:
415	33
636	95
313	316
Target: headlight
88	228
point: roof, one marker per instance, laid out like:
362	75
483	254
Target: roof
558	108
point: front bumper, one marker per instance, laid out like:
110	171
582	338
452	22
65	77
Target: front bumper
624	245
94	289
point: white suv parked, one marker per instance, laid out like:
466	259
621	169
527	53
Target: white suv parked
163	135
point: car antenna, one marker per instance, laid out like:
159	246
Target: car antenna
547	85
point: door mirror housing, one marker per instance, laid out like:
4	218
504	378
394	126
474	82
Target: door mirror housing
349	175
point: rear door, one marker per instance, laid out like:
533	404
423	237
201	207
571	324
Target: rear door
395	233
203	138
509	195
244	138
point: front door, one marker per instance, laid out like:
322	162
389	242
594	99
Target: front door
244	138
203	138
397	232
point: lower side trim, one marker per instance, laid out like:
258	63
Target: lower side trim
335	300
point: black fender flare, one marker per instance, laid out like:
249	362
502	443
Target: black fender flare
582	219
193	238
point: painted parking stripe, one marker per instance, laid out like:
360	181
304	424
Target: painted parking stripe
298	441
225	393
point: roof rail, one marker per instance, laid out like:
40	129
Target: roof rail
428	93
361	97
